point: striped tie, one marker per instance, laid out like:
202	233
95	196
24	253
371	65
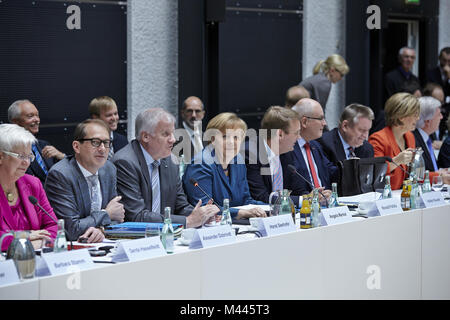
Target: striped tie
95	197
277	178
39	159
156	194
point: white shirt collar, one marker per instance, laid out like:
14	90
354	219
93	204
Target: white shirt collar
148	158
345	145
86	173
424	135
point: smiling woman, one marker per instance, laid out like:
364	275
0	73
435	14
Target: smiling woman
16	212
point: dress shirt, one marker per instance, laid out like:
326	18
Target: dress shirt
195	140
149	161
86	174
301	142
274	163
345	145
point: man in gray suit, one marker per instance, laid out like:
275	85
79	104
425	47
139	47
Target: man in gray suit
148	179
82	188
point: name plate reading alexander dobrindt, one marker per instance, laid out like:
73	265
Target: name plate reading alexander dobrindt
212	236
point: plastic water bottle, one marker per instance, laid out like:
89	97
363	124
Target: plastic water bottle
315	209
226	216
285	206
60	241
387	192
334	200
426	187
167	231
414	193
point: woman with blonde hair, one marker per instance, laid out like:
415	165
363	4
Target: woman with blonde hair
325	73
220	170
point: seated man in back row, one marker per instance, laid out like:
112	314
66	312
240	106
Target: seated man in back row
82	188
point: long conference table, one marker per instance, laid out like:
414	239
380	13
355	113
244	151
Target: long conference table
399	256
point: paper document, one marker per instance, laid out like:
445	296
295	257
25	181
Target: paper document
265	207
369	196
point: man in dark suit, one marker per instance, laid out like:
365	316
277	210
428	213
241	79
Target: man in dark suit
147	178
441	73
430	117
105	108
25	114
82	188
349	139
265	155
309	158
396	79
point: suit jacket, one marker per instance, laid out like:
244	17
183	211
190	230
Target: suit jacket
134	185
319	87
326	170
35	169
426	153
260	179
444	154
119	141
395	81
334	150
68	193
27	186
434	75
210	176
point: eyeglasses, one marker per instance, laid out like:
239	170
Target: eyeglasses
190	111
97	142
322	118
22	157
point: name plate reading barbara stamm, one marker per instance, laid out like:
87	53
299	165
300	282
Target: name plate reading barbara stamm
212	236
388	206
68	261
433	199
139	249
336	215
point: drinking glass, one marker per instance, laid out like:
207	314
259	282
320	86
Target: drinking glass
152	231
47	246
438	183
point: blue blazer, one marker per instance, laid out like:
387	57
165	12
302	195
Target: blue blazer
327	171
211	178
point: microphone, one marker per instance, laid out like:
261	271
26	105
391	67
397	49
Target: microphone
195	183
389	159
294	170
35	202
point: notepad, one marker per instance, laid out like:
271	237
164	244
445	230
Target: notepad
133	230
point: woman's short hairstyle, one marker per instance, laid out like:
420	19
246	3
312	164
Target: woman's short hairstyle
400	105
428	106
80	129
353	112
99	104
12	136
148	119
226	120
334	61
277	117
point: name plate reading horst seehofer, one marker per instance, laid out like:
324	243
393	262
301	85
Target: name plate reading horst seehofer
433	199
139	249
336	215
212	236
388	206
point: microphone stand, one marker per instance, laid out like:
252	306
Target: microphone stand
294	170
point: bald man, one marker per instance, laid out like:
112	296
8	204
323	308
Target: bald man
294	94
192	114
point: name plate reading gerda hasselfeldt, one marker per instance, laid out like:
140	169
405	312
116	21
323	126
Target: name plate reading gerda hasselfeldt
139	249
433	199
213	236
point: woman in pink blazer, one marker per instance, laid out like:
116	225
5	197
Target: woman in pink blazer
16	211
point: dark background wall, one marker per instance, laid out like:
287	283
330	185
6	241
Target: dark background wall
58	69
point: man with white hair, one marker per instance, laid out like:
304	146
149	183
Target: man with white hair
147	178
396	79
430	117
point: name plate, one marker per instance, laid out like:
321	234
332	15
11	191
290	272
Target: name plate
336	215
213	236
68	261
272	226
139	249
433	199
388	206
8	273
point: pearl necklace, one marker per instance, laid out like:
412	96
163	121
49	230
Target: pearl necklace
10	196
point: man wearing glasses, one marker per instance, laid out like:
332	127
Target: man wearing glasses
82	188
309	158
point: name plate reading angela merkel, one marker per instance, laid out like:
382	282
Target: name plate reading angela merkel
275	225
433	199
336	215
213	236
139	249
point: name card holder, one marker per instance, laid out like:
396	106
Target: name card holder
139	249
386	207
275	225
68	261
213	236
433	199
336	215
8	273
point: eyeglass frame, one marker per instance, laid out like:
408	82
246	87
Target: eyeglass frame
19	156
94	141
320	119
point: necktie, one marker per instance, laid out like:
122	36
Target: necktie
277	178
197	141
311	165
156	194
433	158
111	152
95	196
39	159
351	152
